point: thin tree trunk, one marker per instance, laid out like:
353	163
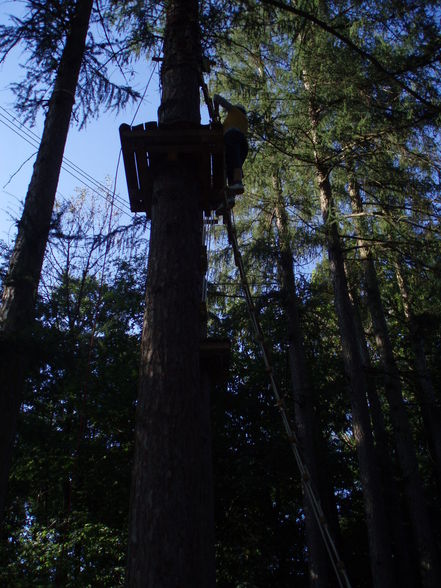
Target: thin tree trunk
427	398
171	534
406	453
21	284
377	527
379	540
319	569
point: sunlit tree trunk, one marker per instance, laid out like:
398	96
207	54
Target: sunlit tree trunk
21	283
378	531
406	453
171	533
306	425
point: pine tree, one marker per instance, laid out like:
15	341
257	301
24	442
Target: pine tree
51	30
403	437
306	422
23	276
429	407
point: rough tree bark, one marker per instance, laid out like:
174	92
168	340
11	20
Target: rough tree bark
171	533
378	531
21	283
320	575
406	454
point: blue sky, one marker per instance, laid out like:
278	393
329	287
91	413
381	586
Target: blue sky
94	150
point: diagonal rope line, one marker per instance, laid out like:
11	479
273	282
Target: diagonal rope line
316	508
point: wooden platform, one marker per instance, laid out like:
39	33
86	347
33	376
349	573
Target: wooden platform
146	146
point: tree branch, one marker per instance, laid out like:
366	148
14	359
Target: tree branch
364	54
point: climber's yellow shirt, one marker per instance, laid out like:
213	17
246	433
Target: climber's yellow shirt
236	119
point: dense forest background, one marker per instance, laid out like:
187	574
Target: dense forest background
339	230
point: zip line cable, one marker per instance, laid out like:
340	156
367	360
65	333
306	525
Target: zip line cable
316	508
207	234
114	197
143	96
336	562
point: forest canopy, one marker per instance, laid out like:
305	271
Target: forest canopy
338	238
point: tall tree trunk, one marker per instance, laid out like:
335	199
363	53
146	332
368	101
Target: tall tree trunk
406	453
406	572
427	398
379	540
306	425
171	534
21	284
378	532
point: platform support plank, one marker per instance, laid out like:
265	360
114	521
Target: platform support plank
145	146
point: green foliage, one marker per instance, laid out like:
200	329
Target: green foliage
67	515
69	488
41	34
98	551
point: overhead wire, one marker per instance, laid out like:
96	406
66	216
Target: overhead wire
69	167
17	127
79	175
120	151
144	93
33	139
106	34
131	123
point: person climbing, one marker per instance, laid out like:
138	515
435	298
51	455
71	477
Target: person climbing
235	126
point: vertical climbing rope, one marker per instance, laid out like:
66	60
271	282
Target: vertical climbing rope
214	116
205	241
316	508
207	236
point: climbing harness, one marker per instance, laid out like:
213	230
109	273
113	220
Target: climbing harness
316	508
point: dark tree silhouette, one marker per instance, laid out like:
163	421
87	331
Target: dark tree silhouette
171	537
